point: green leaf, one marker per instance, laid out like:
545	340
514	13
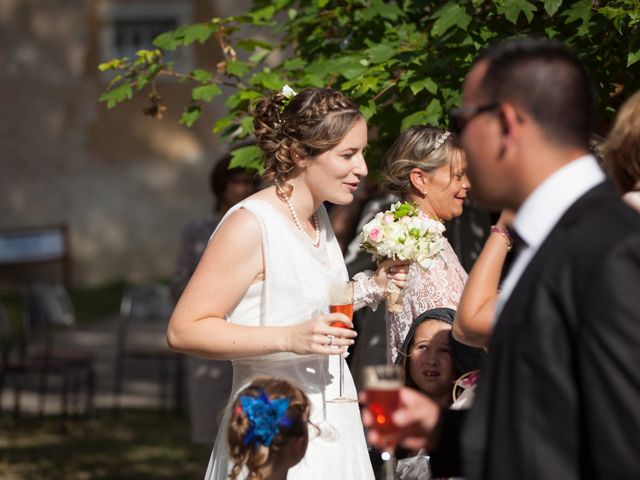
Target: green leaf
117	95
426	83
633	57
251	44
185	35
369	110
148	56
237	68
223	123
313	80
201	75
434	112
512	8
198	32
268	80
259	55
368	84
403	210
206	92
263	14
249	158
166	41
349	67
380	53
580	10
551	32
552	6
190	115
386	9
114	64
322	3
450	15
142	82
322	67
241	97
246	124
416	118
616	15
295	63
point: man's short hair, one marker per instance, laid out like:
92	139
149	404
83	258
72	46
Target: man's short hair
547	80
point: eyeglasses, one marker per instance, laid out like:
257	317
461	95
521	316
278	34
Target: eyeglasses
460	117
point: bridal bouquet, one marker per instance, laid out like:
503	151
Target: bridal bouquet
403	232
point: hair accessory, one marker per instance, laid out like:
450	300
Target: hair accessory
440	140
265	418
288	93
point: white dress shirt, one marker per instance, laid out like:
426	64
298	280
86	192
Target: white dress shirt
542	209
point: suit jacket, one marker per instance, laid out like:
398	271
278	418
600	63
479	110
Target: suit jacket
559	394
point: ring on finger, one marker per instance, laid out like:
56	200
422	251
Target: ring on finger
330	337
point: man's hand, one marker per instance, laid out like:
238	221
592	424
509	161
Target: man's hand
416	419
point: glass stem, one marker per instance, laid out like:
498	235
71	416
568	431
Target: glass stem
340	359
390	468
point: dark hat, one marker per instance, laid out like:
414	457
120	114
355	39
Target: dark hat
465	358
445	315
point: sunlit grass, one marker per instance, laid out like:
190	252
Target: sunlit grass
139	444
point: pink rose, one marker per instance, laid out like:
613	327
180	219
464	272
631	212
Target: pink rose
374	234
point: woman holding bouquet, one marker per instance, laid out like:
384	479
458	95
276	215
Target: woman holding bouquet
425	168
259	294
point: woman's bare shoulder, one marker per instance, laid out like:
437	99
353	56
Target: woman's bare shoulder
240	225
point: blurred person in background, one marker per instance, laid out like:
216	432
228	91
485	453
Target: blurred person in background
209	381
621	151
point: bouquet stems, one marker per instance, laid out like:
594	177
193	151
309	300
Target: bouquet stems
393	297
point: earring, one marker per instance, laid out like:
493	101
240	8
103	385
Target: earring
423	192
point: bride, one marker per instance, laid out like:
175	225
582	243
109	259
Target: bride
259	293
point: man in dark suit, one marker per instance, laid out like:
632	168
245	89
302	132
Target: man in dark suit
559	394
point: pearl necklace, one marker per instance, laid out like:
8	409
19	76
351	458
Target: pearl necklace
296	219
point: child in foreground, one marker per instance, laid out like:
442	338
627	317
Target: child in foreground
268	431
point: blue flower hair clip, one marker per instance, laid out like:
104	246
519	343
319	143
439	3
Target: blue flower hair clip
265	418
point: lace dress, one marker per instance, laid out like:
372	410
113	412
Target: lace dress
297	276
440	286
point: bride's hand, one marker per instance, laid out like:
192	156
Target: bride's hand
395	270
318	336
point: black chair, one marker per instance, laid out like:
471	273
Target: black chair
47	312
14	367
144	313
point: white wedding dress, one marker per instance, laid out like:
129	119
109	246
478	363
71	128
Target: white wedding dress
297	276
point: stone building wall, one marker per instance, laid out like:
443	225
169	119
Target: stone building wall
125	183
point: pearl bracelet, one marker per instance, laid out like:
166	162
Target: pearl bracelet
505	233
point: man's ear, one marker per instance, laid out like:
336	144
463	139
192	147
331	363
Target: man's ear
512	122
511	119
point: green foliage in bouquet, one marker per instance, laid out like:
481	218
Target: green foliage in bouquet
402	61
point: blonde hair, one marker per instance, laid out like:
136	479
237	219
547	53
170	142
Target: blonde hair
256	457
306	125
621	149
422	147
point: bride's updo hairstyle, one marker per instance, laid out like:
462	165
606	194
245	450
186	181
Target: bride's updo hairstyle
422	147
306	125
265	417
